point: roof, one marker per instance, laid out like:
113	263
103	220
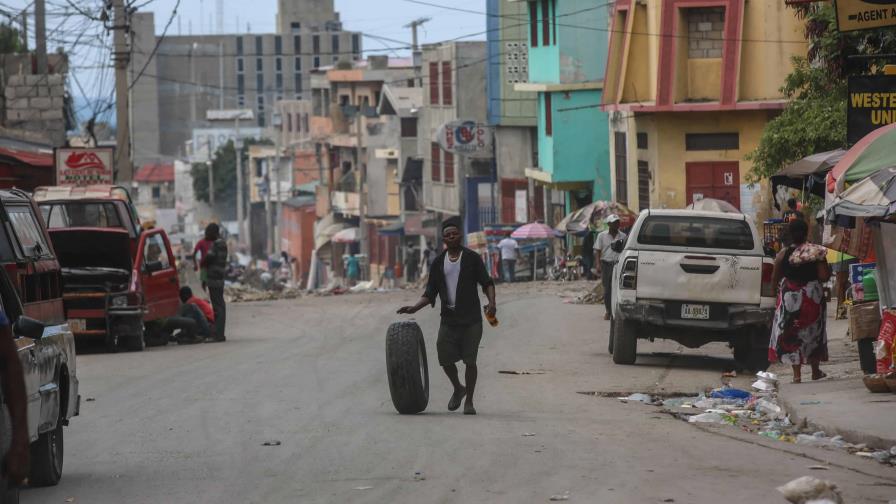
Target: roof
401	101
683	212
155	172
69	193
28	157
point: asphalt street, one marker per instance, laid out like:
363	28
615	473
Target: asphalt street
188	424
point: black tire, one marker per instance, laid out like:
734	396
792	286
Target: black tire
154	336
612	336
751	349
46	458
131	336
625	341
9	495
407	367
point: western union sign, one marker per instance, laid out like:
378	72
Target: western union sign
871	104
865	14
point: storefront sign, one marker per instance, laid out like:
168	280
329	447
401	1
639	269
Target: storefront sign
465	137
82	167
871	104
865	14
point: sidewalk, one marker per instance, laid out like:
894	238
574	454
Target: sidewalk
840	404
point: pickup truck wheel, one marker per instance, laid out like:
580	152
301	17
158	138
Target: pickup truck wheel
154	336
625	341
46	458
751	350
407	367
612	336
9	495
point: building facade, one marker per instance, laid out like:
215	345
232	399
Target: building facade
688	106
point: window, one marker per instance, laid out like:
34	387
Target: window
643	185
316	62
548	115
408	127
642	140
449	168
239	46
711	141
621	167
259	64
554	19
305	121
259	45
156	193
278	64
259	83
436	154
356	44
28	231
68	215
335	59
241	84
298	79
278	79
335	44
239	65
294	27
297	44
278	44
704	232
433	83
315	44
533	24
260	105
156	253
447	97
545	22
289	123
241	101
298	64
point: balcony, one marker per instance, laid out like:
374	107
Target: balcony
347	203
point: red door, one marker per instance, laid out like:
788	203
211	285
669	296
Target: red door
158	272
719	180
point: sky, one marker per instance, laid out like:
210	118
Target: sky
88	43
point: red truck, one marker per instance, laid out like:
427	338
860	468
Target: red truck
119	281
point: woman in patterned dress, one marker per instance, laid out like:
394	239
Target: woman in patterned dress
799	333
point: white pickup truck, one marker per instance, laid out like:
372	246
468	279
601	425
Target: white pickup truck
694	277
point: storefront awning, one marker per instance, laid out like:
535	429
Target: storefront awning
395	228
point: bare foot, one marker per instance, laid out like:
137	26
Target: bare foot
454	403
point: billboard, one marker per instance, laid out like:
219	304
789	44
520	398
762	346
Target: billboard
865	14
84	166
207	140
465	137
871	104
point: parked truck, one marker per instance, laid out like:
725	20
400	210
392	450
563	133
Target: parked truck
119	280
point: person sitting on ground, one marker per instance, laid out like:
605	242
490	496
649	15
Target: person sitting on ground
195	319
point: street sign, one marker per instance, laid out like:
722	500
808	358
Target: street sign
84	166
871	104
464	137
855	15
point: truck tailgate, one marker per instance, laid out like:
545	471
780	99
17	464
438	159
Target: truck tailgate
692	276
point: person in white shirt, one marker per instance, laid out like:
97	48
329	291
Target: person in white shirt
508	247
607	247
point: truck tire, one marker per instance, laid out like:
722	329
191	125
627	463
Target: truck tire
46	458
612	336
10	494
407	367
154	335
751	349
131	335
625	341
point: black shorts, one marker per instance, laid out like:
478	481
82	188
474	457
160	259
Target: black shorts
459	343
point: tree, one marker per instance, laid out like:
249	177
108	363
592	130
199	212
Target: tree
224	169
815	118
10	39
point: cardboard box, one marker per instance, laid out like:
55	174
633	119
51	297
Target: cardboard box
864	321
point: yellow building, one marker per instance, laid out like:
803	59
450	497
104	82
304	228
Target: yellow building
690	86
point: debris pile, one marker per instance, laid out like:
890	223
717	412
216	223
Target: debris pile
241	293
592	297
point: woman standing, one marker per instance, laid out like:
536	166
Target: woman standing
799	333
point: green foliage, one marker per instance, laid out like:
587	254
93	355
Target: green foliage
10	39
224	171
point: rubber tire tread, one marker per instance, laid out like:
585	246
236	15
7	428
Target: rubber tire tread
404	348
612	336
625	342
43	468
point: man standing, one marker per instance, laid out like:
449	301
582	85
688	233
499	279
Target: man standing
14	455
453	277
607	247
508	247
411	262
215	262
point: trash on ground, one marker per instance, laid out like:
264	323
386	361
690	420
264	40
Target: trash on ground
528	434
713	417
561	497
730	393
730	374
363	488
819	468
419	476
808	489
522	371
90	399
271	443
642	398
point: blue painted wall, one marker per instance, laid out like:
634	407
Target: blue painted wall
493	48
580	51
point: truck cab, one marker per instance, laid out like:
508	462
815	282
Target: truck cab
119	281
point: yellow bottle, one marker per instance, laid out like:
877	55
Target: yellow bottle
493	320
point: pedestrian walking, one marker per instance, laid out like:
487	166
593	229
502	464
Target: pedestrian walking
799	331
508	247
14	442
607	247
454	277
352	269
201	249
215	263
412	261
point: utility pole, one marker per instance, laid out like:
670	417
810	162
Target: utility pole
241	225
221	75
418	56
211	173
121	57
40	35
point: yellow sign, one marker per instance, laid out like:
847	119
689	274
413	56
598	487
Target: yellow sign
855	15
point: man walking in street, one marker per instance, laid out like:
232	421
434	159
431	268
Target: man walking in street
215	262
454	277
508	247
607	247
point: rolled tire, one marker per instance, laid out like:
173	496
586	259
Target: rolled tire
625	341
46	458
407	367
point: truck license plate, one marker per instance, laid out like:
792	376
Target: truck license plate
695	311
77	325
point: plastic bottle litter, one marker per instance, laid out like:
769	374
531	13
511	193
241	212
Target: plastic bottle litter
642	398
419	476
713	417
560	497
769	408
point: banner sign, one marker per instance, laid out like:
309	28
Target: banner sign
465	137
871	104
84	166
855	15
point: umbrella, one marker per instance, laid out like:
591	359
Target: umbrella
713	205
814	163
872	153
533	231
578	221
874	196
347	235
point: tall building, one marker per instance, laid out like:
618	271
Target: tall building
189	75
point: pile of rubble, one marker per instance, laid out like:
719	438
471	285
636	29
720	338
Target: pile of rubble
758	412
241	293
592	297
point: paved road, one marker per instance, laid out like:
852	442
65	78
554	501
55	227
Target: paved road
187	424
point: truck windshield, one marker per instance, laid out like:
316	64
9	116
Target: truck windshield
76	214
700	232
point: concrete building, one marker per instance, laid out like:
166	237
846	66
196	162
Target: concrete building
191	74
454	88
695	104
512	112
154	186
567	60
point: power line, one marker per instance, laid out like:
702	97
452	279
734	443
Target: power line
156	48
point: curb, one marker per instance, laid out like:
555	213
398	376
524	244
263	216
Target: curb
852	436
